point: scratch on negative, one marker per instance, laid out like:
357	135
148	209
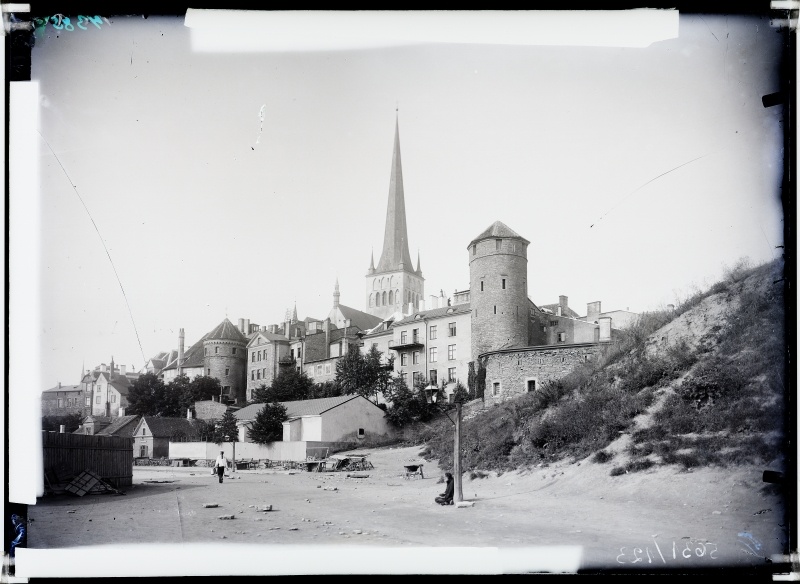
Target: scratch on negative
113	267
644	185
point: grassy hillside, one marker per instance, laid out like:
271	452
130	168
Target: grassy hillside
701	385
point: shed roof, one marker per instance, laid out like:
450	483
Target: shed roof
122	426
295	409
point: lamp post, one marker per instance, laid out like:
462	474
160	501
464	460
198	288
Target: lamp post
458	493
233	464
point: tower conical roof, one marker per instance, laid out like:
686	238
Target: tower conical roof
225	331
498	229
395	238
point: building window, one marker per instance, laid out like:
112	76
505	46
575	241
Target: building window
253	360
375	346
451	329
497	244
481	285
415	335
415	358
553	323
227	371
403	337
60	403
403	359
531	385
451	352
216	350
433	351
451	374
562	337
258	374
233	351
504	284
88	401
328	368
298	353
142	431
97	400
319	369
361	432
432	334
496	388
403	376
417	378
226	390
432	377
208	372
253	375
205	351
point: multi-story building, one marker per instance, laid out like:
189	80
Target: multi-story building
62	400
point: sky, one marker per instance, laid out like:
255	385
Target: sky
238	184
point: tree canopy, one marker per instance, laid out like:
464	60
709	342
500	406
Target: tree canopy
149	396
227	427
289	385
268	424
364	374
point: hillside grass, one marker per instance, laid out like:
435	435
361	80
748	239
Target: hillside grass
722	401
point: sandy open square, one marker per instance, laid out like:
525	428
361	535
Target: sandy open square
650	520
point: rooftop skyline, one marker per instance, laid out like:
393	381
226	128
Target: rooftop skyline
239	185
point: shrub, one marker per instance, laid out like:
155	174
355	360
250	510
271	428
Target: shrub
617	470
602	456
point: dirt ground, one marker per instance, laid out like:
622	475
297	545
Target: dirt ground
653	520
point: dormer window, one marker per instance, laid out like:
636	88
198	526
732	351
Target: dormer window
497	244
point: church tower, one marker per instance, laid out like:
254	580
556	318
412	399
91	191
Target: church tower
394	284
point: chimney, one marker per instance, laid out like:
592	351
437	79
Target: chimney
121	411
421	304
558	310
287	329
562	302
327	326
61	429
241	326
593	311
434	301
410	308
102	367
180	351
246	330
59	385
122	369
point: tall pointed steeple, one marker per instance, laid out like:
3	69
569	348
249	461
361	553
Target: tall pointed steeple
371	263
395	239
294	312
336	294
419	270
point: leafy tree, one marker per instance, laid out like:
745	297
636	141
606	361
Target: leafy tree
169	403
227	427
145	395
460	394
268	424
409	405
363	374
325	389
202	387
289	385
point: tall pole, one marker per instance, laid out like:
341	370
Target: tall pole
459	495
234	456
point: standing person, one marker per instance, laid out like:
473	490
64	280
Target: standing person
18	541
221	464
446	498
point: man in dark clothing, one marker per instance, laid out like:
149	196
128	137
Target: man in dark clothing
446	498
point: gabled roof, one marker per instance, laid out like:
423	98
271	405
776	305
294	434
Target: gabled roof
226	331
63	388
435	313
122	426
554	309
271	337
360	319
192	357
167	427
295	409
498	229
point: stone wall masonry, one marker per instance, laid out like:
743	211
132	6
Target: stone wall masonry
514	368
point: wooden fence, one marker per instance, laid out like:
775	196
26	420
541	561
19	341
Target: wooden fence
111	457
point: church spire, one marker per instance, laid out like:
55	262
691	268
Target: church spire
395	239
336	294
371	263
294	312
419	271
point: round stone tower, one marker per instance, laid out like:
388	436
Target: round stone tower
225	358
498	283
